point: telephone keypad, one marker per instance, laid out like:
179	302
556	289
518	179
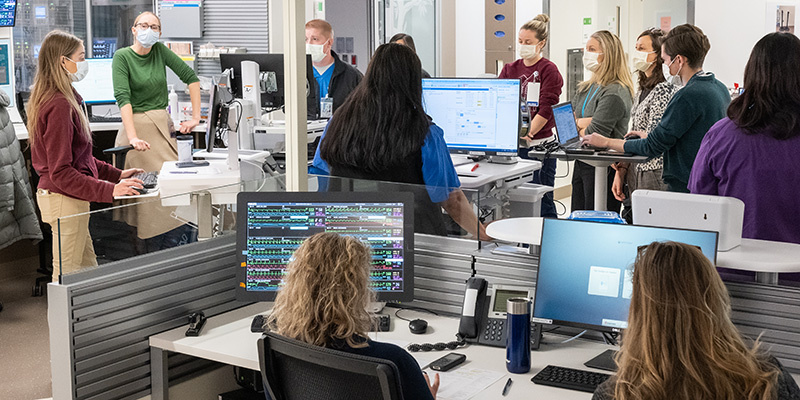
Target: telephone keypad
494	334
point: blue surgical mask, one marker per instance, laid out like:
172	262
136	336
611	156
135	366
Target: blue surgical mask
146	37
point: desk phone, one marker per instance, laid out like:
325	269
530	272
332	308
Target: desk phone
489	311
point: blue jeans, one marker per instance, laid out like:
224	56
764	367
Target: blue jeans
545	176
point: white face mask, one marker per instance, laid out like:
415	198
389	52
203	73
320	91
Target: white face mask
590	61
146	37
527	51
83	69
673	79
640	62
317	51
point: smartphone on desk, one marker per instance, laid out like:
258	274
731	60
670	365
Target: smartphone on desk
483	315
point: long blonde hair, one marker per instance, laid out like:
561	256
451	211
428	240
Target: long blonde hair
51	79
680	342
326	292
614	68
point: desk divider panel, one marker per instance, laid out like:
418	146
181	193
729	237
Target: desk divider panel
100	319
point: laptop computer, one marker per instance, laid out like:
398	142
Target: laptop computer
567	130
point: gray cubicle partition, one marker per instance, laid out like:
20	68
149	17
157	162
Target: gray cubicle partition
100	320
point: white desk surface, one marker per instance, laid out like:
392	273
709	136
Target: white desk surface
488	172
22	132
518	230
761	256
175	183
227	339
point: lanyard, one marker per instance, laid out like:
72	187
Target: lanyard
583	110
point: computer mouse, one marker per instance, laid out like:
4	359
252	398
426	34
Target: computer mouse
418	326
141	190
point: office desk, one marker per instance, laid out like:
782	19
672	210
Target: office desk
487	173
114	126
526	230
600	164
227	339
766	258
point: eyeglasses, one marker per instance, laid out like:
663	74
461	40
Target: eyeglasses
145	25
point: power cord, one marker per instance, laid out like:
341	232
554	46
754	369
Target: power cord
415	347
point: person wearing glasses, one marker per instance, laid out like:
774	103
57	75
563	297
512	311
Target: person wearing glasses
324	302
140	87
680	342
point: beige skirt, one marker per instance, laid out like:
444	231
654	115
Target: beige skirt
148	216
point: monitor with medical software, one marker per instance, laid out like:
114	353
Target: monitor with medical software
478	116
271	226
98	85
585	270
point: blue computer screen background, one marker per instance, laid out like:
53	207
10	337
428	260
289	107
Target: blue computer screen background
565	123
584	269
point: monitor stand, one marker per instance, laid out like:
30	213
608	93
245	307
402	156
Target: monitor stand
503	159
604	361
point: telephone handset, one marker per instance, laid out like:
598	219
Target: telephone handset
483	314
473	308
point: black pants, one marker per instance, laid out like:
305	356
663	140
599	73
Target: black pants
583	188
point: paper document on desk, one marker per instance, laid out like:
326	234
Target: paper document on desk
465	382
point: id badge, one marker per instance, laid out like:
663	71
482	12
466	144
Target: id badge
326	107
533	94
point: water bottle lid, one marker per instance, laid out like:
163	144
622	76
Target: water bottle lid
518	306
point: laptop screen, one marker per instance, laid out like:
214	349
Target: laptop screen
565	123
585	270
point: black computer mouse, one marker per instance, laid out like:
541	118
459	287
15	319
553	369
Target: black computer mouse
418	326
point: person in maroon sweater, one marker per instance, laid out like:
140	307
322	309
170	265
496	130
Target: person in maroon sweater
61	151
536	72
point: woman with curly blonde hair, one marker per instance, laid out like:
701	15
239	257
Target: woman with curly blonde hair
324	302
681	343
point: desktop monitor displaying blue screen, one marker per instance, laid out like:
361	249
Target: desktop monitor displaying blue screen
478	116
271	226
8	12
98	85
585	270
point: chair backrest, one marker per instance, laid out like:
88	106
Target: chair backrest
295	370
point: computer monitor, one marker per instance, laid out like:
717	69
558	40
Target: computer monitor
270	63
585	270
271	226
216	117
8	12
478	116
98	85
104	47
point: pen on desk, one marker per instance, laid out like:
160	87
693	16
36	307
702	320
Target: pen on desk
474	167
182	172
507	386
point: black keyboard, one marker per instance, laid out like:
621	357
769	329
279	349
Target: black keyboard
149	179
99	118
568	378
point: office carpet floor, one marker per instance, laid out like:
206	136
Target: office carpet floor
24	339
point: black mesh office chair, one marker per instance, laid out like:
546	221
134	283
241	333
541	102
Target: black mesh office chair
294	370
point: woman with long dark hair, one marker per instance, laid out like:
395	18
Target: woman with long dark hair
752	154
382	133
680	343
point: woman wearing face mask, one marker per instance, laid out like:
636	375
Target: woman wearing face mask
61	151
536	72
602	106
140	87
649	104
692	111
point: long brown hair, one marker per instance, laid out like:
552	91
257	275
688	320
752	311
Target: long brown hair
326	292
614	68
680	342
51	79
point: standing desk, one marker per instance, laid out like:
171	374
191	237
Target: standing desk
600	164
227	339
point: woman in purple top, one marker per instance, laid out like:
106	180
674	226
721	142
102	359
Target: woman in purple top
752	154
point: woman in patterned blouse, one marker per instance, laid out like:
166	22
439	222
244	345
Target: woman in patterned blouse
649	104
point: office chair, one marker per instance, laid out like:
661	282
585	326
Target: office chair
295	370
118	155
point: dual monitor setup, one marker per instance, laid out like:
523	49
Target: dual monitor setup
584	277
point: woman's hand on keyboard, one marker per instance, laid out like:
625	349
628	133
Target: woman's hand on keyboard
130	172
125	187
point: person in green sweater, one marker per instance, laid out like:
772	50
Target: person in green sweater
690	114
140	87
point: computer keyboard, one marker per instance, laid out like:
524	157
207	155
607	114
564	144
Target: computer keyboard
149	179
99	118
568	378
